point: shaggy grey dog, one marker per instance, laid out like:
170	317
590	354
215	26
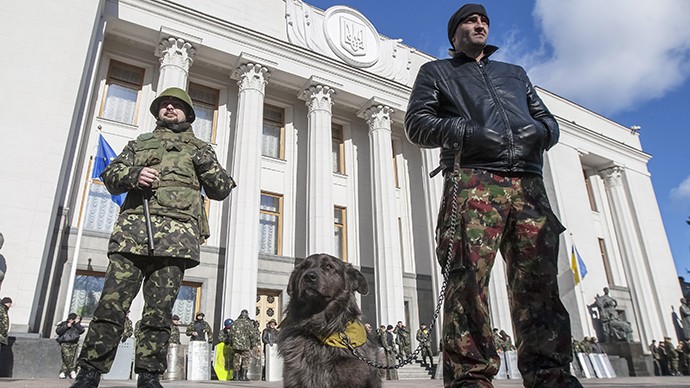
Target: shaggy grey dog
322	304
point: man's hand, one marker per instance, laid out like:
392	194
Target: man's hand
146	177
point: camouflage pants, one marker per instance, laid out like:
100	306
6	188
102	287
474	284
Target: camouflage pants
511	214
241	360
69	357
161	278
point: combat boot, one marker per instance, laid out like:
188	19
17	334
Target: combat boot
148	380
243	375
87	378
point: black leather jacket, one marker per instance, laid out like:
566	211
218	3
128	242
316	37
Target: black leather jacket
487	111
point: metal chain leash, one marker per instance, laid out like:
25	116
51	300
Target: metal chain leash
446	269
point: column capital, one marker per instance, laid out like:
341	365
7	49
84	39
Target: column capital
319	97
378	117
176	51
251	76
612	176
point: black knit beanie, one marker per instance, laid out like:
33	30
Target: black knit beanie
461	14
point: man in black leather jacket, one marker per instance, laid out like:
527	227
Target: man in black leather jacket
492	129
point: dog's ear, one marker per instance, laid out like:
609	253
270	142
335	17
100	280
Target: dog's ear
357	280
294	277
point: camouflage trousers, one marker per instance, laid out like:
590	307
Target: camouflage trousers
241	360
161	277
513	215
69	357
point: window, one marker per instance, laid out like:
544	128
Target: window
590	192
88	286
273	132
340	226
270	224
338	149
188	302
122	89
101	211
205	102
605	259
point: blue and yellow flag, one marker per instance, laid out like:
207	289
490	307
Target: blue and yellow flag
577	265
105	155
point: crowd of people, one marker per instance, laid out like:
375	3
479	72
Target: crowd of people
395	342
670	360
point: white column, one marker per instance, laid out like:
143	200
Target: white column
320	232
433	190
389	271
637	272
176	56
242	256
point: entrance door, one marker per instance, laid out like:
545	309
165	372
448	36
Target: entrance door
267	307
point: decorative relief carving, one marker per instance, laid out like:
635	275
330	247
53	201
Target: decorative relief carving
378	117
175	51
319	97
345	34
252	76
612	176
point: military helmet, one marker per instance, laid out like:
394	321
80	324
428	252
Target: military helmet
179	94
228	322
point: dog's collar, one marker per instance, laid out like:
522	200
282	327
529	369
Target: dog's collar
354	330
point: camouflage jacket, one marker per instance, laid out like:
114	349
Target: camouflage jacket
403	335
203	331
224	336
243	334
424	337
174	334
128	329
4	324
178	215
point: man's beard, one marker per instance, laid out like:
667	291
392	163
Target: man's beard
170	120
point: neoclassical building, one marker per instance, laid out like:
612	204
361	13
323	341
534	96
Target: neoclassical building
305	107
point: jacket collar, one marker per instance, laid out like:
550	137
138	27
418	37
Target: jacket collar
488	51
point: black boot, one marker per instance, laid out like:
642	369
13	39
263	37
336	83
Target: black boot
243	375
148	380
236	375
87	378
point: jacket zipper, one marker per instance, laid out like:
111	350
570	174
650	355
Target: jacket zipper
503	114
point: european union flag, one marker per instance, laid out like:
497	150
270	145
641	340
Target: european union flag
105	155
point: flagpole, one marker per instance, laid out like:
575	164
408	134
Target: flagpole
575	255
80	232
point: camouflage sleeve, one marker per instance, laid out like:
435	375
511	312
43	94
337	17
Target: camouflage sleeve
128	329
209	332
190	329
4	326
216	181
121	175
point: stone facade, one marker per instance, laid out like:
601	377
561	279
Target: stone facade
340	90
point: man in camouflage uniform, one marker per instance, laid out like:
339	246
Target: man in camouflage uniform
492	128
224	337
402	339
174	331
68	332
169	166
423	336
199	329
129	330
5	305
244	337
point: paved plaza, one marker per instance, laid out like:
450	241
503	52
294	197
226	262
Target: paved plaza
630	382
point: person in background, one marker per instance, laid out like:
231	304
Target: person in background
268	337
424	338
68	332
199	329
174	331
5	304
